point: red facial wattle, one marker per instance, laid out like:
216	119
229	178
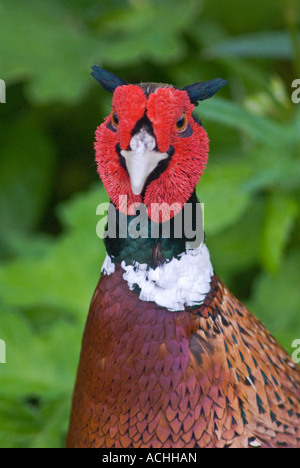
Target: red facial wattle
164	108
129	103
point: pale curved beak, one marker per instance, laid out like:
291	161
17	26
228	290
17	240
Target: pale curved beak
141	159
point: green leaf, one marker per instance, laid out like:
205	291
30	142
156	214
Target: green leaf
142	31
274	168
265	44
61	45
221	190
237	248
281	211
50	46
26	165
232	115
276	300
43	363
65	274
42	350
253	16
25	426
37	381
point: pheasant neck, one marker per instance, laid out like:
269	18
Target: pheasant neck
174	271
138	239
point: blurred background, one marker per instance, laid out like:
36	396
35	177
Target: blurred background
50	257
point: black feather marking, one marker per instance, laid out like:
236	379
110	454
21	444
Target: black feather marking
255	362
266	380
281	443
277	396
275	381
229	364
259	402
234	338
243	414
108	80
201	91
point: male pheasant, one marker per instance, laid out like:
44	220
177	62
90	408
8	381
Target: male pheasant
170	358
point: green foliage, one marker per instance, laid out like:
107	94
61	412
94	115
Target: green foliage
50	256
46	296
63	43
281	211
271	44
223	193
282	291
63	276
23	196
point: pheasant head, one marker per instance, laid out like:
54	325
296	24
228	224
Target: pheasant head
151	148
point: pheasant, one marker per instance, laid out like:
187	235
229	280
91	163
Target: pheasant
170	358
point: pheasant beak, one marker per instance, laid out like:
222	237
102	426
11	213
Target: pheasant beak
141	159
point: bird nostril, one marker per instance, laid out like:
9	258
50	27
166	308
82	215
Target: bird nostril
151	143
142	140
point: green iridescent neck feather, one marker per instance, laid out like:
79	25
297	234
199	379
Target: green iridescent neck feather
138	239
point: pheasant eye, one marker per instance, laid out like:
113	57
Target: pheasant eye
181	123
114	119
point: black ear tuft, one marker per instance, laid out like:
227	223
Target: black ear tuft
108	80
200	91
